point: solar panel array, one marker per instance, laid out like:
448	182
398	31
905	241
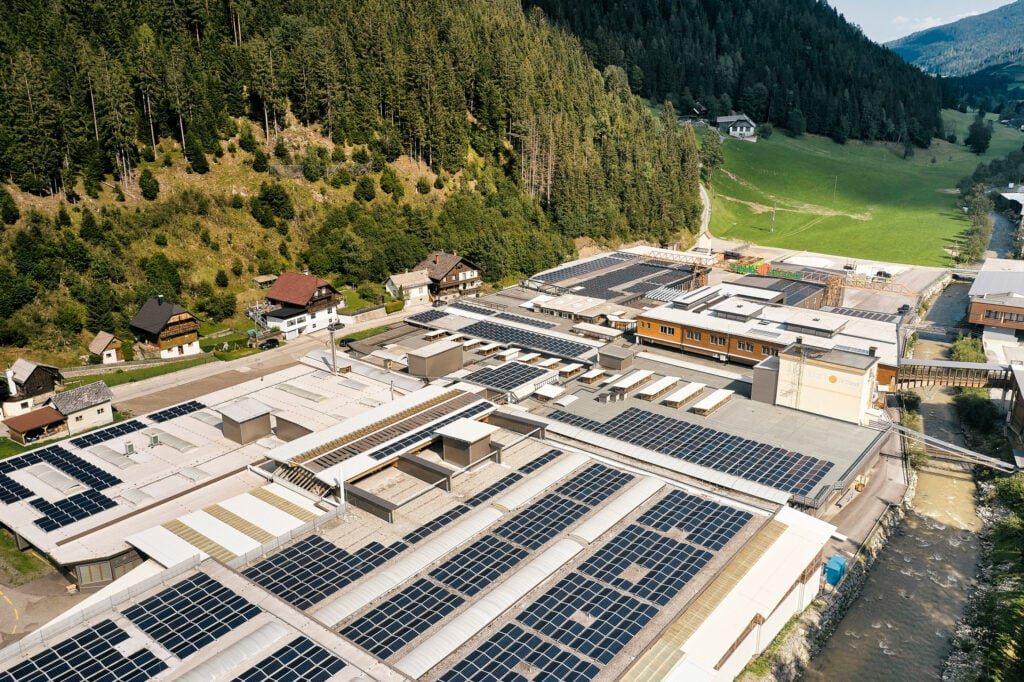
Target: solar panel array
190	614
471	308
428	433
505	377
753	461
399	620
394	623
78	468
509	317
92	654
607	285
523	338
537	463
103	435
573	271
427	316
479	565
866	314
11	491
176	411
437	523
510	649
313	569
594	612
75	508
705	522
300	659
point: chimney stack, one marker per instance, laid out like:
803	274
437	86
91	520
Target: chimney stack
437	258
159	299
873	350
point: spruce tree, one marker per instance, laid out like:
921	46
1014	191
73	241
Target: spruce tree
194	154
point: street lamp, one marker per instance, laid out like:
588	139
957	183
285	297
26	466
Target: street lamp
333	327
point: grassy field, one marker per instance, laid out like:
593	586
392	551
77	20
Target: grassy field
858	200
125	377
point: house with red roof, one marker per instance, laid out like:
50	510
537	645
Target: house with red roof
298	303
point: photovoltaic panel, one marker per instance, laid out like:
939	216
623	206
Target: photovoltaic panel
76	467
747	459
176	411
427	316
479	565
313	569
507	650
103	435
523	338
612	618
705	522
573	271
498	486
11	491
190	614
595	484
541	521
394	623
92	654
437	523
505	377
646	563
471	308
541	324
535	464
300	659
71	509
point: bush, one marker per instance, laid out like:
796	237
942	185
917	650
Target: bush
195	155
160	238
9	212
365	191
245	138
221	279
148	185
237	201
260	162
439	183
281	151
393	306
968	349
976	410
236	267
148	154
911	401
423	185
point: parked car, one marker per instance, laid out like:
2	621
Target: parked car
904	309
269	343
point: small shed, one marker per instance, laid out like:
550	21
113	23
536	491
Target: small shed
466	441
107	347
436	359
834	569
37	424
615	358
264	281
245	420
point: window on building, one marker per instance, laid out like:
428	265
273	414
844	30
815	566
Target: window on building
692	335
717	340
768	350
668	331
991	314
24	405
79	418
745	346
101	410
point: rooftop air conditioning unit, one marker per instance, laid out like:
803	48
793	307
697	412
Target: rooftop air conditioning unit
129	447
154	440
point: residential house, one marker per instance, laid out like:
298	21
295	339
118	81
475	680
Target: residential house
164	328
29	385
451	275
737	125
412	287
35	425
299	303
107	347
85	407
996	298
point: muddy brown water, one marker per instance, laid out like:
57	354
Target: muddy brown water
900	627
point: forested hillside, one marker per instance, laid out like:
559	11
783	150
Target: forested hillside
969	45
517	142
794	63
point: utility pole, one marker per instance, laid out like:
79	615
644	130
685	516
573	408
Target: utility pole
774	207
835	186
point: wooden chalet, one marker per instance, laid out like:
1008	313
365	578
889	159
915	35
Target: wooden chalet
165	328
451	275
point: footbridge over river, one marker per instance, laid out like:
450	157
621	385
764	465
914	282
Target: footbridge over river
920	373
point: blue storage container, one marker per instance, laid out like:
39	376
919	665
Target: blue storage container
834	569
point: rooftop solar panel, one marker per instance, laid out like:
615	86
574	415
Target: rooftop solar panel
541	521
176	411
71	509
541	324
300	659
523	338
190	614
708	447
511	648
573	271
103	435
505	377
479	565
397	621
93	654
426	317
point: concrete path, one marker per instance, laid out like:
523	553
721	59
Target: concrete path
1001	243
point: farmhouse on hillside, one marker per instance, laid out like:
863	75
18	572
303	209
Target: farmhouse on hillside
737	125
29	384
451	275
411	287
107	347
165	329
298	303
85	407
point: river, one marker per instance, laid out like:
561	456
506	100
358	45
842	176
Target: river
900	627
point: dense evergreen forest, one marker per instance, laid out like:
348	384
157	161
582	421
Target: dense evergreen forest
794	63
527	146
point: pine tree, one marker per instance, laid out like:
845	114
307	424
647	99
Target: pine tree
149	185
194	154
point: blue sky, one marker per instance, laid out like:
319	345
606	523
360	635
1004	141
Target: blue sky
883	20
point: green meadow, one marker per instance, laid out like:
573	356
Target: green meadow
857	200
